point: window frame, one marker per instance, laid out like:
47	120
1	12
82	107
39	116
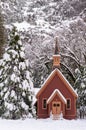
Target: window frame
44	103
68	106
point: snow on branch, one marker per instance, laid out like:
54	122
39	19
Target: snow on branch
72	53
66	55
69	71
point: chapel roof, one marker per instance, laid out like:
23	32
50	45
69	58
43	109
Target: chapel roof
56	92
58	73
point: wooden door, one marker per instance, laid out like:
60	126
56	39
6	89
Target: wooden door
56	107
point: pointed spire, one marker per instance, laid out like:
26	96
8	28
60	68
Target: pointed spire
56	56
56	46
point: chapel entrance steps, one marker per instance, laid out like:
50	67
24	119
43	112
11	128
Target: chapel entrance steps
57	116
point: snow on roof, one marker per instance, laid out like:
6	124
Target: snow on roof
67	82
60	94
56	55
43	86
46	80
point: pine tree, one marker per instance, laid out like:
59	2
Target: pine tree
16	87
80	85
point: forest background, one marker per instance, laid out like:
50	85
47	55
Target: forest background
38	23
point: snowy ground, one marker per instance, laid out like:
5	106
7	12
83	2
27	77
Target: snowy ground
43	124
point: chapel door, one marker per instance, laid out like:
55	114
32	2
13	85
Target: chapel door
56	107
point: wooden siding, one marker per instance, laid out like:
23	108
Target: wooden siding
56	82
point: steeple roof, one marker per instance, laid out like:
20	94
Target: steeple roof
56	47
56	56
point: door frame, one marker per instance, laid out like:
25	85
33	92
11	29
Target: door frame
56	107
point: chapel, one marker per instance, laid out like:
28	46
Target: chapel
56	96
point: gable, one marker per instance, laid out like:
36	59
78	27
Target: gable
57	73
56	92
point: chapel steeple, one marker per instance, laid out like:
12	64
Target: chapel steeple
56	47
56	56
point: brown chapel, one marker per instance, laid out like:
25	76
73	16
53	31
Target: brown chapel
56	96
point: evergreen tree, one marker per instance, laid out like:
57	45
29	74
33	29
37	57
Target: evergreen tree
16	88
80	85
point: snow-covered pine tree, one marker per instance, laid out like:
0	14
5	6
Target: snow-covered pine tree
16	87
80	85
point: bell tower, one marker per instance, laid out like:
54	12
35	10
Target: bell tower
56	56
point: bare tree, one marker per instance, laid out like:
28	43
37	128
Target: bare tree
2	35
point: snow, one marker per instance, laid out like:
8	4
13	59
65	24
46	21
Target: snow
56	55
10	106
77	71
13	52
64	1
1	84
25	84
24	105
22	54
46	81
43	124
36	90
56	91
83	85
7	57
13	77
23	25
15	69
12	93
22	65
30	81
